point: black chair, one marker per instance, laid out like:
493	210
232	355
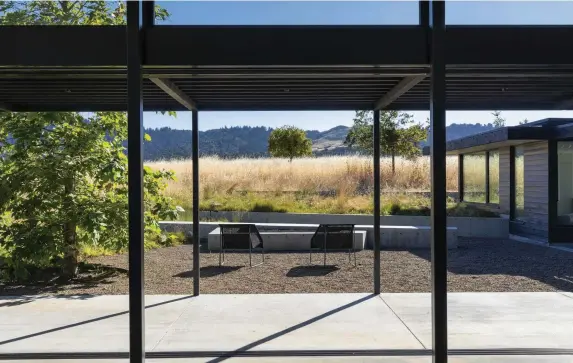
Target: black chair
240	237
333	237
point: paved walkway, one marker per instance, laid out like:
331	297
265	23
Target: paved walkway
483	327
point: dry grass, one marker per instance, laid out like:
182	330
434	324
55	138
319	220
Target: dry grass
336	184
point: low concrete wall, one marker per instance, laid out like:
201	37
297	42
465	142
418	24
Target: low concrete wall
391	237
467	226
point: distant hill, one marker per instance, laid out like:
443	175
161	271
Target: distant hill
167	143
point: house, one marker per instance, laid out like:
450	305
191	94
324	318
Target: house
524	172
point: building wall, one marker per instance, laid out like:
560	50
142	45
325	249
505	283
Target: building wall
535	219
504	181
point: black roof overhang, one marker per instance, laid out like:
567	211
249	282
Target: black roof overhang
286	68
546	129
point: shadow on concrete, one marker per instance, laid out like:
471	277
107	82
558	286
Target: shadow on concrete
306	271
506	257
210	271
8	301
99	318
49	281
291	329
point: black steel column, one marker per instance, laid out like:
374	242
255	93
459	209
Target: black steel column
148	13
553	190
438	160
487	196
135	180
511	184
196	245
376	141
460	177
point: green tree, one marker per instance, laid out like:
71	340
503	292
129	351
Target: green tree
289	142
498	121
524	121
63	184
63	176
399	134
67	13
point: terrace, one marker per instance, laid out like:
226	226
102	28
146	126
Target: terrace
419	67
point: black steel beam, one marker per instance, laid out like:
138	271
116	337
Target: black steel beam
175	92
508	45
64	46
242	45
196	242
439	250
376	149
460	177
281	45
402	87
566	104
135	183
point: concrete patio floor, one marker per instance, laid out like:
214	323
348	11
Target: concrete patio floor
483	327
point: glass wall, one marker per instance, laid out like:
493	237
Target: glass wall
474	178
494	177
565	182
519	182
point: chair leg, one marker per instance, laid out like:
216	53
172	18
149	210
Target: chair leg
250	258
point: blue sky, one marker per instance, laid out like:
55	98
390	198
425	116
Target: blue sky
351	13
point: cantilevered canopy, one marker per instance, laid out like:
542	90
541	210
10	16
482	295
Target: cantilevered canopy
313	68
546	129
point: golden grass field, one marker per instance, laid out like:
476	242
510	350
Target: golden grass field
334	184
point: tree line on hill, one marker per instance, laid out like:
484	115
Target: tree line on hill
247	141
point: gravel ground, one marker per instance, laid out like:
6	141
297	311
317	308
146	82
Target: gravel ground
477	265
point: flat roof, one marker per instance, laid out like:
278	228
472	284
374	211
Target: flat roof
83	68
545	129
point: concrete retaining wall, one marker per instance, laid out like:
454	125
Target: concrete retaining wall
467	226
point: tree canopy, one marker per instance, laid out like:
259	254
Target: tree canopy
498	120
289	142
399	134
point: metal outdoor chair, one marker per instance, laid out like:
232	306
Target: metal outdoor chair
240	237
333	237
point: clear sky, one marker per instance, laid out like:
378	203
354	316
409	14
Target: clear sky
352	13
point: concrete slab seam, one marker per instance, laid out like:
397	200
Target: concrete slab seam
170	326
402	321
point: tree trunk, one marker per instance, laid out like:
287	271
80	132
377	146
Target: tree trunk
393	163
71	251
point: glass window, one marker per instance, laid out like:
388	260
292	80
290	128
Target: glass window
474	178
494	177
519	183
565	183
